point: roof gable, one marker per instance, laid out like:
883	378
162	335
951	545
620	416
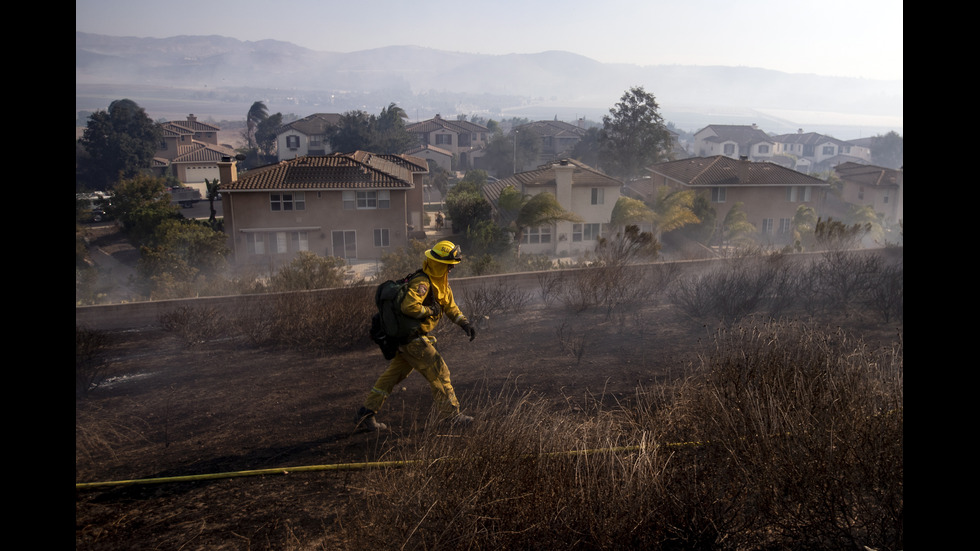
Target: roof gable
725	171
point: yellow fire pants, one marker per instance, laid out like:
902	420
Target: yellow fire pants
422	356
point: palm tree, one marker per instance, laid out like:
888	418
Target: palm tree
256	114
674	210
212	188
629	211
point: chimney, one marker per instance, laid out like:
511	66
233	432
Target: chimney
227	171
743	169
191	118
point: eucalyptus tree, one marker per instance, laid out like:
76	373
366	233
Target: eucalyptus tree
633	135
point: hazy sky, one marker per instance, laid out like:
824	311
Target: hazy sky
855	38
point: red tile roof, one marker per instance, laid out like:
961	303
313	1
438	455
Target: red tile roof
359	170
725	171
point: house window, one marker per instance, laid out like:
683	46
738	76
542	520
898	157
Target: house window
315	141
255	243
861	192
373	199
598	195
534	236
763	149
288	201
350	200
381	238
729	149
718	194
797	193
278	242
292	142
785	225
828	150
444	139
344	243
585	232
301	241
767	226
884	198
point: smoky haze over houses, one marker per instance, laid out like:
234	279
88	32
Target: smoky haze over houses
219	78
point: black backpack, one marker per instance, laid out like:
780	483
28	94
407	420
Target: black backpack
389	326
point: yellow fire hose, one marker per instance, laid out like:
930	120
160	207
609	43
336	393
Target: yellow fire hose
313	468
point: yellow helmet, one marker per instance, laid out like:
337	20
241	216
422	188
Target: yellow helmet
445	252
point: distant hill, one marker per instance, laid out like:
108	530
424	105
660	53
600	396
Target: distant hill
219	73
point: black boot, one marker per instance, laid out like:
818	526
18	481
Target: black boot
364	418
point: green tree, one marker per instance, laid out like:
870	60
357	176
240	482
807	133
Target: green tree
353	132
633	135
587	148
888	150
265	136
118	143
257	113
540	210
182	252
140	205
466	205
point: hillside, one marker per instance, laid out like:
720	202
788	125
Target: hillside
220	77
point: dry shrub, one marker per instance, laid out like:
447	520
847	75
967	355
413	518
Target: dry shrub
194	326
800	436
483	303
90	365
785	438
322	321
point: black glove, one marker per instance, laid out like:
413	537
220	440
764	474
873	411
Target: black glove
435	309
469	330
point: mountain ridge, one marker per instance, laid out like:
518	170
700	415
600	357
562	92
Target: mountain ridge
221	68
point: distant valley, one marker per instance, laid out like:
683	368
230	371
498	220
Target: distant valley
218	78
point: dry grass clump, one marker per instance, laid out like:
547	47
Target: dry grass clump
90	363
785	436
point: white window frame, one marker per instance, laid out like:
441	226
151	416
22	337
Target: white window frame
372	199
538	235
382	237
767	226
598	196
719	194
287	201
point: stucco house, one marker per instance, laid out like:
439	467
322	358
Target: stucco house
881	188
818	153
556	138
770	194
734	141
441	157
463	139
306	136
354	206
579	188
189	151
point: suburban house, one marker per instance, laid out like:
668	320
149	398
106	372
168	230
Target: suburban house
463	139
306	136
189	151
443	158
580	189
734	141
769	194
814	152
881	188
556	138
356	206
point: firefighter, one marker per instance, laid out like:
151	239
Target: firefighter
429	297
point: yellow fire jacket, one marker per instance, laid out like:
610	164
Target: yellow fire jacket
419	295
